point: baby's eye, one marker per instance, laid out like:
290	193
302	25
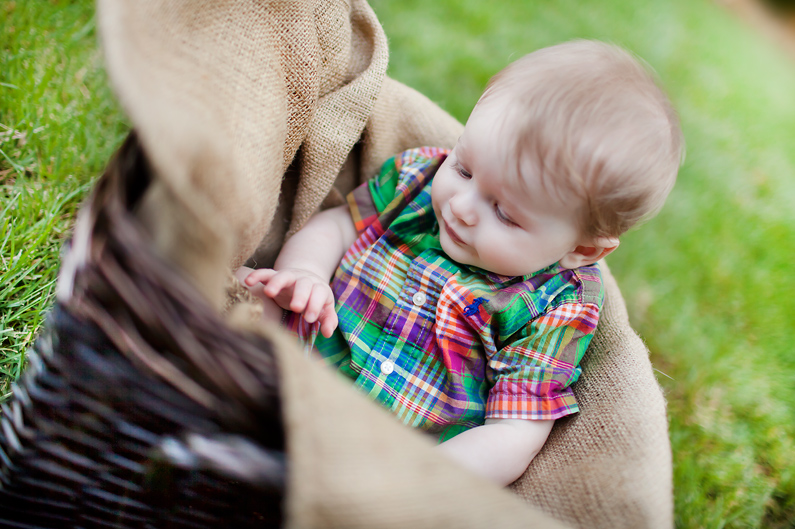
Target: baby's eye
464	173
502	217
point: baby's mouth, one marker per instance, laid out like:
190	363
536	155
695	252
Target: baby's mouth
453	235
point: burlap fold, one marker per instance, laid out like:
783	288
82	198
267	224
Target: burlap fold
353	465
613	459
239	102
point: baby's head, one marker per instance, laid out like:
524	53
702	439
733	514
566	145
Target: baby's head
568	148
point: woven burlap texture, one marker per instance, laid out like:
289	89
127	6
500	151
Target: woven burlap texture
239	102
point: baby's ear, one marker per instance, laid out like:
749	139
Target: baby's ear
590	252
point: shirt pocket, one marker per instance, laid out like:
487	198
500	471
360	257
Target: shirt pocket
413	319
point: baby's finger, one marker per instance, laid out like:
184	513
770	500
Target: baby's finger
261	275
278	282
318	298
328	320
301	292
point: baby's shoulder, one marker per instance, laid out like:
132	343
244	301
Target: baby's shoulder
419	156
588	284
558	286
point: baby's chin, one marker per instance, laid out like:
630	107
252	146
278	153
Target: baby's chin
463	254
455	251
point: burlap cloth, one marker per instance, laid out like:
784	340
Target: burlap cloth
256	113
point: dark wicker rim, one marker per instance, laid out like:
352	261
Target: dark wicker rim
140	407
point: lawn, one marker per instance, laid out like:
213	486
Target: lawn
58	126
707	281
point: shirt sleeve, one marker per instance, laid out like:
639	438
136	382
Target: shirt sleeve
533	374
369	200
400	179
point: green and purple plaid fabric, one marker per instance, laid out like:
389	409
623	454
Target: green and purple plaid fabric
443	345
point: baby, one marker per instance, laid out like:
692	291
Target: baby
466	283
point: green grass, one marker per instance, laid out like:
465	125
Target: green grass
58	126
708	282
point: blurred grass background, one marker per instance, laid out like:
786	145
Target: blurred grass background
708	282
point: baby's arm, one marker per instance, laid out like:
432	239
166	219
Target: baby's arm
501	449
299	280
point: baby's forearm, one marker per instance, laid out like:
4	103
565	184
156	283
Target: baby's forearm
501	449
319	246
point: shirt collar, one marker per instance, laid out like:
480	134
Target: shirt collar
553	269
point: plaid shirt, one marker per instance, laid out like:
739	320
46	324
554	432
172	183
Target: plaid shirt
444	345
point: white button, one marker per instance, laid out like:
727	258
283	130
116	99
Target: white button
387	367
418	298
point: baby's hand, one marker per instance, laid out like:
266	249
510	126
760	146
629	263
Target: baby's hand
300	291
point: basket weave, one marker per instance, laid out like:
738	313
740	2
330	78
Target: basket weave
140	408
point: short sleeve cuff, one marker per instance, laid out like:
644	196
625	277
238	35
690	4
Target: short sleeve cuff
362	208
531	407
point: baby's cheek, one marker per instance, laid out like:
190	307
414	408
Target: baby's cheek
498	250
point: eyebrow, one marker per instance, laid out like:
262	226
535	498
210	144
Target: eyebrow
460	141
514	209
521	219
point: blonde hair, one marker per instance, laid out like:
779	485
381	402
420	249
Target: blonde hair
590	117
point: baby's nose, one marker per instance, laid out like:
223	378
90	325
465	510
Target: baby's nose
462	207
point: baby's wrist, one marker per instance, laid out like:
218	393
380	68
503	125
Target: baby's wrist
299	268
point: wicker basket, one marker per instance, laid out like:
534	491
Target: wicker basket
140	407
